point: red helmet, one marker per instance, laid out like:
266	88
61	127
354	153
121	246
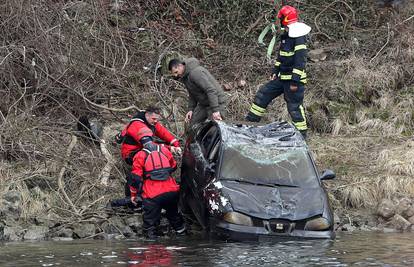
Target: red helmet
287	15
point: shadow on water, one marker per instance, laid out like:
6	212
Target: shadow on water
357	249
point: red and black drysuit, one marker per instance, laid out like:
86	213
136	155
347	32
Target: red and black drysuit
156	193
138	128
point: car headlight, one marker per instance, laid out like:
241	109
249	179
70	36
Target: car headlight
238	218
317	224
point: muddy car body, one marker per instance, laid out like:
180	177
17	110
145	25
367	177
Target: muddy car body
247	182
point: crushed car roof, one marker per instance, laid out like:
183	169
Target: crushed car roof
280	134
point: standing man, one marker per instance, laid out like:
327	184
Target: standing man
206	97
289	76
151	181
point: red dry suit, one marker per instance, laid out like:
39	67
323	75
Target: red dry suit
144	164
138	128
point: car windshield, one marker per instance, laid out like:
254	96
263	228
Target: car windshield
268	164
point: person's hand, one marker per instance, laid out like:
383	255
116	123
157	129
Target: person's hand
134	201
293	87
188	116
273	77
216	116
176	150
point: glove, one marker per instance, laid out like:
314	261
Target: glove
176	150
119	138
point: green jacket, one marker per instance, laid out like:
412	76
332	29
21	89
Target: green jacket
202	87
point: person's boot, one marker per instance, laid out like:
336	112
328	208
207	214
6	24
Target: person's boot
252	117
182	231
304	134
150	234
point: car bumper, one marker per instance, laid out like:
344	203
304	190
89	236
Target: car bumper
241	232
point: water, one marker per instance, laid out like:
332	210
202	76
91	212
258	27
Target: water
356	249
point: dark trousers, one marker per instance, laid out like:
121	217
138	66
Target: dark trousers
294	101
152	211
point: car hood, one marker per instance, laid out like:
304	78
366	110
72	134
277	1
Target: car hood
291	203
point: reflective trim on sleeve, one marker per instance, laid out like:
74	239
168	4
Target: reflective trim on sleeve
302	74
286	54
173	141
300	47
277	63
286	77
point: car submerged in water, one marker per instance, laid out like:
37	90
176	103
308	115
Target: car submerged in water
252	181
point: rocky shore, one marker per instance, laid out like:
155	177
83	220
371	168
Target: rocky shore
389	216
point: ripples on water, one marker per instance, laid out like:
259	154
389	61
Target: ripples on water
357	249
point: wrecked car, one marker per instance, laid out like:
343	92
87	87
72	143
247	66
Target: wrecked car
249	181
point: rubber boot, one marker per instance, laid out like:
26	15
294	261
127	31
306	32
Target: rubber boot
252	117
304	134
150	233
182	231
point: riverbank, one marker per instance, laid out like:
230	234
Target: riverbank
105	60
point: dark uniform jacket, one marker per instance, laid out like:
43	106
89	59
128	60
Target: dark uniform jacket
291	61
202	87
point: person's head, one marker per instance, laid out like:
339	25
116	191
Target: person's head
176	68
152	115
287	15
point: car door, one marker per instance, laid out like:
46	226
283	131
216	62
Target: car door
203	173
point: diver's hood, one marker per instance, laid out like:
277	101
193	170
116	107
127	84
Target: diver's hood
298	29
264	202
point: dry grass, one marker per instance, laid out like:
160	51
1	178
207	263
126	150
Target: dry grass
398	160
368	168
358	193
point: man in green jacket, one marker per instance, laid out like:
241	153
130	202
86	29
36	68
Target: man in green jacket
206	96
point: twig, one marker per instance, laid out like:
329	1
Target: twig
251	27
104	107
91	204
386	43
61	183
6	57
323	10
404	21
85	98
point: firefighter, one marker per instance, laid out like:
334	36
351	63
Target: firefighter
288	75
206	96
151	182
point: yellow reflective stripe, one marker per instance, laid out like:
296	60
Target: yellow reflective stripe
255	112
258	108
286	77
277	63
300	47
301	125
302	74
287	54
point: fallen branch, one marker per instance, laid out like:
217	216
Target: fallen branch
106	171
61	183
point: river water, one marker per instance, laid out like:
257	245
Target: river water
354	249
